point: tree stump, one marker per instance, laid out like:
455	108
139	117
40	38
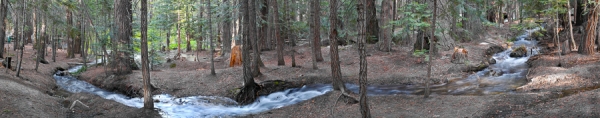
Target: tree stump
236	56
460	56
6	62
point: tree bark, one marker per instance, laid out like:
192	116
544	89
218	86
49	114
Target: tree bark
22	41
226	49
338	84
431	47
247	94
590	29
292	33
278	39
3	14
256	60
315	26
148	102
210	40
573	44
70	47
386	33
123	26
372	24
363	19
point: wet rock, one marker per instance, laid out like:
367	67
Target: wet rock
493	50
521	51
492	61
496	73
468	67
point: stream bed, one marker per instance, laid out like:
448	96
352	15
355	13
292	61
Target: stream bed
513	75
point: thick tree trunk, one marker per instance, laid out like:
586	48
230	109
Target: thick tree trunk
247	94
363	19
315	26
210	40
148	102
336	72
256	60
226	49
386	33
590	29
372	24
123	25
266	27
3	14
276	35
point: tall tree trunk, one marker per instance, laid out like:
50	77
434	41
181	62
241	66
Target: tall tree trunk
148	102
266	28
123	26
70	49
54	43
169	36
315	26
336	72
210	40
372	24
256	60
573	44
292	31
386	33
37	46
16	31
363	19
590	38
247	94
279	40
226	49
22	41
3	14
178	36
431	47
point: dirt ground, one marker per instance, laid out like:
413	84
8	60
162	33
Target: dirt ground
566	91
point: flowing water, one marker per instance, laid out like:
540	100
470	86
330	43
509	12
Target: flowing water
480	83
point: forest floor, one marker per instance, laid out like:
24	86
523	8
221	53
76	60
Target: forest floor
567	91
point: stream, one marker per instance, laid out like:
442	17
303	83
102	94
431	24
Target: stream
480	83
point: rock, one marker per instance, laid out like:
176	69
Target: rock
492	61
467	67
493	50
496	73
521	51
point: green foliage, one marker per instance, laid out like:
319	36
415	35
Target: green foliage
421	53
78	72
415	17
173	65
527	24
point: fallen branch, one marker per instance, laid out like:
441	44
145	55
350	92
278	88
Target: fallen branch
77	101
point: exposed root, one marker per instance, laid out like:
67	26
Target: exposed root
335	104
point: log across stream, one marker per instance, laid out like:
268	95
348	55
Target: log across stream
483	82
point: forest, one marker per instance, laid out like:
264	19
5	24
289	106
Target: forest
299	58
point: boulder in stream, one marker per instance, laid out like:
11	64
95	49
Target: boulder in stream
521	51
493	50
492	61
